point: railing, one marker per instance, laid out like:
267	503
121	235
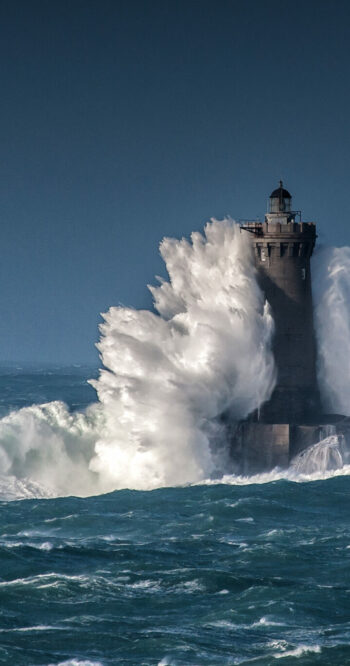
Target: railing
253	227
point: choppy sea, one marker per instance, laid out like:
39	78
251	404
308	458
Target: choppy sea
203	575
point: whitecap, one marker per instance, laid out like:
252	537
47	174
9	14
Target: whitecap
266	622
78	662
299	651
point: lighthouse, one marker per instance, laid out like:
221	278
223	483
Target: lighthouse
290	420
283	246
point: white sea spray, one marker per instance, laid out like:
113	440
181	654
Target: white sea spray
169	375
331	294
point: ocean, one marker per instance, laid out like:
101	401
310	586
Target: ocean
127	536
212	573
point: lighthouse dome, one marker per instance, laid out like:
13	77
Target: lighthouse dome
280	192
280	200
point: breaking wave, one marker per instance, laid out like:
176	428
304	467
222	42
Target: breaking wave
170	375
324	460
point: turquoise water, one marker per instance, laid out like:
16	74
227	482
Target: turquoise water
215	574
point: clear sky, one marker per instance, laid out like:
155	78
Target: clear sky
126	120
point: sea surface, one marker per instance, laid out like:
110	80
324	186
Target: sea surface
203	575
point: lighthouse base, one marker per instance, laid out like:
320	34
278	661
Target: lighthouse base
259	447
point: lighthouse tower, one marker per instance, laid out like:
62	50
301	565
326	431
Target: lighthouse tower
288	422
283	246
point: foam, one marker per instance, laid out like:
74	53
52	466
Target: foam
170	374
168	377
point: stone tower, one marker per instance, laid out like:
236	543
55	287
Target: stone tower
288	422
283	246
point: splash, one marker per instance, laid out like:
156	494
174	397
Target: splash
169	376
327	455
45	451
331	293
324	460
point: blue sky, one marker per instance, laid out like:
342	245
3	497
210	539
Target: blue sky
123	121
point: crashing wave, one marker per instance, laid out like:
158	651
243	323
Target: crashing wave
171	373
327	455
168	377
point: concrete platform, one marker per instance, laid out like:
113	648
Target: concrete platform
259	447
